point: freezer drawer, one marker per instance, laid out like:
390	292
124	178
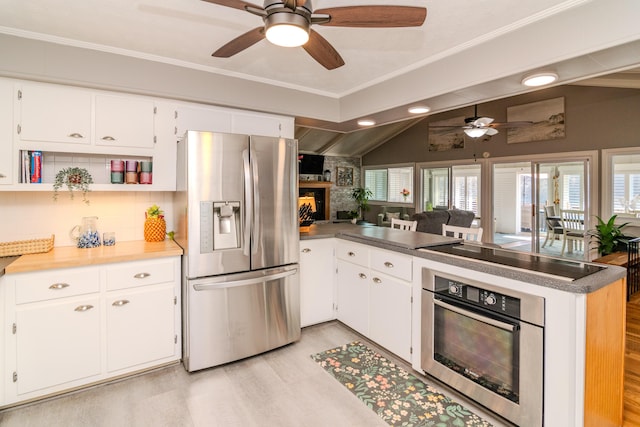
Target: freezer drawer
236	316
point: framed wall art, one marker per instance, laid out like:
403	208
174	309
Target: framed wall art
547	117
446	135
344	176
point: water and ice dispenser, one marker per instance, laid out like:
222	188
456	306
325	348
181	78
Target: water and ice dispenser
220	226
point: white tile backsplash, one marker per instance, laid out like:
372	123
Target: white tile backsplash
35	215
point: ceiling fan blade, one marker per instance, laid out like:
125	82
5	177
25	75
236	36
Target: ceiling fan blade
236	4
512	124
375	16
322	51
482	121
240	43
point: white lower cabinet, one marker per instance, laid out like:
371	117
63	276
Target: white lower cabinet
353	296
374	295
57	343
71	327
317	281
140	327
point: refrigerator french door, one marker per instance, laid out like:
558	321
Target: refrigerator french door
236	216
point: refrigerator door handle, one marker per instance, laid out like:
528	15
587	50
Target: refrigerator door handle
248	212
243	282
256	204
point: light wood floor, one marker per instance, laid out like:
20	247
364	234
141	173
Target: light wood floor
283	388
632	365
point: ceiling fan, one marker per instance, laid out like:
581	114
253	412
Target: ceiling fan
298	16
476	126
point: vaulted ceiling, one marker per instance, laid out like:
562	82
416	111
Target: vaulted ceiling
466	52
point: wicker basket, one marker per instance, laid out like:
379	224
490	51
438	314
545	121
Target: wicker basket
23	247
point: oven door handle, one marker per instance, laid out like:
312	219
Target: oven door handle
475	316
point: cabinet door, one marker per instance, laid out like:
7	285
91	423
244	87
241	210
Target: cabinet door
202	119
317	279
55	114
140	326
57	342
390	314
124	121
6	132
353	296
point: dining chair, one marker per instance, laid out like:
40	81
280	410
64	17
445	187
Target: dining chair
554	225
403	224
471	233
573	228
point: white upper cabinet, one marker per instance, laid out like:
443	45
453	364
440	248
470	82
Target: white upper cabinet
209	119
51	113
6	132
124	121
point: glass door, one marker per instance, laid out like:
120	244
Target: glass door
528	200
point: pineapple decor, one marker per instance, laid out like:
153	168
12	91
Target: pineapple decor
155	227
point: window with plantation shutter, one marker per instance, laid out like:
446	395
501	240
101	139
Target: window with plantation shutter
390	184
463	191
626	184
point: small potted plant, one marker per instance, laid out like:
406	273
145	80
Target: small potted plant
609	236
74	178
155	227
353	215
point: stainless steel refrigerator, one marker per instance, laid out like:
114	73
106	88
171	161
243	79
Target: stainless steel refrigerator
236	220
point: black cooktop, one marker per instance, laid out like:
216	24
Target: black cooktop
535	263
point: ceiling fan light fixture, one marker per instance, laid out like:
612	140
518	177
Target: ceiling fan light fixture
419	109
476	132
366	122
539	79
287	29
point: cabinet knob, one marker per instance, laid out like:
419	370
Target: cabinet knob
57	286
83	307
108	138
75	135
362	275
351	253
120	303
2	175
376	280
306	250
388	264
141	275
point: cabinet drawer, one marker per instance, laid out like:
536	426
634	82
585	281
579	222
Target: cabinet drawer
353	252
52	284
140	273
393	264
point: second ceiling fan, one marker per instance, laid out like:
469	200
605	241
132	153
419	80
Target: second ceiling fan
298	16
476	126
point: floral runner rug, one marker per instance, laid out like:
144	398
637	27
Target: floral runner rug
397	396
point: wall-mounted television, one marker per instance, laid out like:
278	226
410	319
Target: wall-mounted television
311	164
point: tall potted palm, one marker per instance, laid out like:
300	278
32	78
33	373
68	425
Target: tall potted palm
361	196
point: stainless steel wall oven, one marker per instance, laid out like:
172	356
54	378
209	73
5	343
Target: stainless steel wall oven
486	342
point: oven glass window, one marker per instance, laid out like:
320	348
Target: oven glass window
486	354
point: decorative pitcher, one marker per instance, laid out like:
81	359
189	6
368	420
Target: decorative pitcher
86	235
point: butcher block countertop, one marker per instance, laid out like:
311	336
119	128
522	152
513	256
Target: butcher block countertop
70	256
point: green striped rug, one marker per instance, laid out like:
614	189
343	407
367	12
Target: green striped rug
397	396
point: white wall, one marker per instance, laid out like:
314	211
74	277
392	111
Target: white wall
35	215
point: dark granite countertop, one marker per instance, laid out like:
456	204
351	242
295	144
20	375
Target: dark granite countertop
417	245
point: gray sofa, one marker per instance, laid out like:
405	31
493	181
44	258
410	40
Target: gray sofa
431	221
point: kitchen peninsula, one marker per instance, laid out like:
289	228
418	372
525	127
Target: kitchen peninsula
584	318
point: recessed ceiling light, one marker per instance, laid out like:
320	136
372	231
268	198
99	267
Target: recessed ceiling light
539	79
419	109
366	122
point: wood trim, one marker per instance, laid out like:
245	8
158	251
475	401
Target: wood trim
605	350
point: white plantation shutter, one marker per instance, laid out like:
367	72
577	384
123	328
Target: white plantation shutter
376	181
386	184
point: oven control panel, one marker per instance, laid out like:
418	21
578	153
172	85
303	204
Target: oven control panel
487	299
